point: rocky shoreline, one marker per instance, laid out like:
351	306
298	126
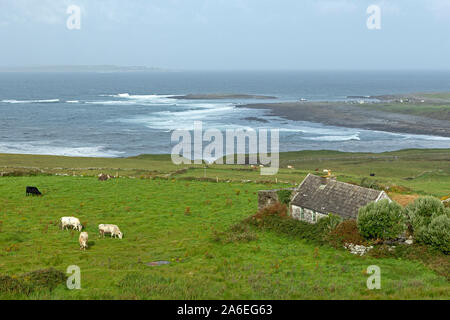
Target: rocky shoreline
351	116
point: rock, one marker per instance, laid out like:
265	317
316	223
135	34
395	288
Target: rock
409	241
357	249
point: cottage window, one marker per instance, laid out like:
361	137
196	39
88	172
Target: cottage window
302	214
313	216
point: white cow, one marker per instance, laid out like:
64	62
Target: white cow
111	229
71	222
290	167
83	240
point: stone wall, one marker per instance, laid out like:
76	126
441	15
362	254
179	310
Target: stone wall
268	197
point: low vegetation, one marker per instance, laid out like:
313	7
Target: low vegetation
30	282
329	231
215	243
346	232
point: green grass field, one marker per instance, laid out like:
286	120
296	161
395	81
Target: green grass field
434	111
431	105
157	225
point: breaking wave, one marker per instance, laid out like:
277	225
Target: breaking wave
144	98
31	101
353	137
45	148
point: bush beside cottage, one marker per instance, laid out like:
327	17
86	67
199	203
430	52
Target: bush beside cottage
383	220
378	222
430	221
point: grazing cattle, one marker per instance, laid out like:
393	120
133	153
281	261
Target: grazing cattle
111	229
103	177
372	174
83	240
71	222
33	191
261	166
290	167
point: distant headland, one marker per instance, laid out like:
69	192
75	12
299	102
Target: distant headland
81	68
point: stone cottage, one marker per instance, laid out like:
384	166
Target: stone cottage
316	197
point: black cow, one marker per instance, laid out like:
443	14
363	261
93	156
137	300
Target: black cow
372	174
33	191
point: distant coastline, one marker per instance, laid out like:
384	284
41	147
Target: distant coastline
81	68
425	114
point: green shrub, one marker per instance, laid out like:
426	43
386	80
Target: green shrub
381	220
420	214
45	279
438	233
284	196
331	221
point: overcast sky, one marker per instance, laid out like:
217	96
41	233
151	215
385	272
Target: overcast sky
228	34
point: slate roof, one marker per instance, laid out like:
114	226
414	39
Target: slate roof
326	195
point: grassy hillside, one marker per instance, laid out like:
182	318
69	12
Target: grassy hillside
418	171
157	225
172	218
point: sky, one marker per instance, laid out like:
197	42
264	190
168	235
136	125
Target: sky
228	34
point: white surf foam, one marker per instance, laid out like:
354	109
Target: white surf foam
354	137
182	116
197	114
45	148
112	102
31	101
145	98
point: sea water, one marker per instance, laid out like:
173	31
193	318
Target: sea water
125	114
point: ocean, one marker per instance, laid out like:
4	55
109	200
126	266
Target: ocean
127	114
